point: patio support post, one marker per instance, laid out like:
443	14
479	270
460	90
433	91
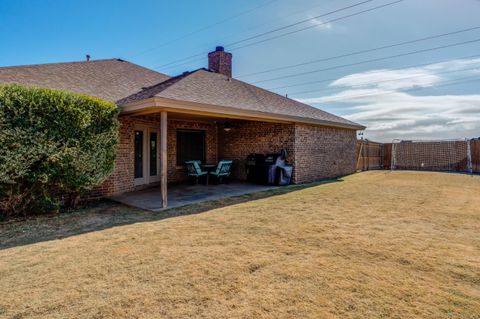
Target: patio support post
163	158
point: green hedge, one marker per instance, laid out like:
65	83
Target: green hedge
52	142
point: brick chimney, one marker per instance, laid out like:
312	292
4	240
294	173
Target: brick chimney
220	61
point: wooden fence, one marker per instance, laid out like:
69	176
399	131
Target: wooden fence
422	155
370	155
475	149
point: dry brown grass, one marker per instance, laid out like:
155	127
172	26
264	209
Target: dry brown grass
378	244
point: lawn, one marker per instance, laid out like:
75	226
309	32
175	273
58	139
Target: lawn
371	245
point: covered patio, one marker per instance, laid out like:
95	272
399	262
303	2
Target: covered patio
155	146
186	194
209	118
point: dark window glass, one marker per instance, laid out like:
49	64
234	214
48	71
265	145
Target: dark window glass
138	154
153	154
190	146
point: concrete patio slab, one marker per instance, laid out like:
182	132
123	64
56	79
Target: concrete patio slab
181	195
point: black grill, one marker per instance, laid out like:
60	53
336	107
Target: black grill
271	169
253	166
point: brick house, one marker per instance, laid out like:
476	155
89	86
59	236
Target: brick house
205	114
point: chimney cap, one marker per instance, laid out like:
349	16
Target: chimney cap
219	49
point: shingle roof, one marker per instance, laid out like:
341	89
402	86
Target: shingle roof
203	86
110	79
124	82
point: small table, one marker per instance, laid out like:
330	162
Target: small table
209	167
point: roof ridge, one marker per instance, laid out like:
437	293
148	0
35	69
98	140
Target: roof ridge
79	62
161	85
137	65
56	63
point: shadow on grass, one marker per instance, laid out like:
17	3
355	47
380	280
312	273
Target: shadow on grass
107	214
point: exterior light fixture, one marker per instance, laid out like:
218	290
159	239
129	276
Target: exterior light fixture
227	126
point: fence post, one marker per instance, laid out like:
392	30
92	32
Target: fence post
382	156
359	155
392	160
365	167
469	157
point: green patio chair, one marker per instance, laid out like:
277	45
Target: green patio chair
194	169
223	171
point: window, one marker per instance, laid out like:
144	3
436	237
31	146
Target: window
190	146
153	153
138	154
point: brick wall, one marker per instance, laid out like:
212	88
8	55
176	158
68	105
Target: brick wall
316	152
178	174
122	179
323	152
254	137
106	188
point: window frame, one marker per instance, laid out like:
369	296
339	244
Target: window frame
146	158
181	164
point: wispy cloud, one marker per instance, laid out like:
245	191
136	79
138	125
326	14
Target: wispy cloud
409	77
373	99
321	25
382	79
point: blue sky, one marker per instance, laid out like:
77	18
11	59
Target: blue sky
439	99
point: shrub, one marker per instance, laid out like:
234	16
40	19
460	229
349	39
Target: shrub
52	143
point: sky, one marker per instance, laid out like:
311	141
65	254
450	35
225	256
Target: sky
401	94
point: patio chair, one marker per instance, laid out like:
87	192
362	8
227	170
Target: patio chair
194	169
223	171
